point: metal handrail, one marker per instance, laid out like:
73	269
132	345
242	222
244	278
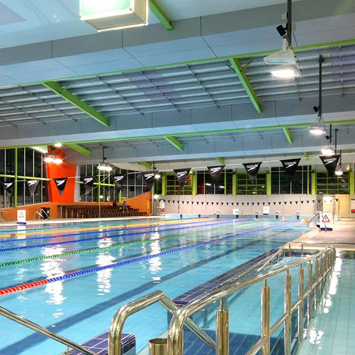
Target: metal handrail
135	306
158	296
178	320
39	329
312	219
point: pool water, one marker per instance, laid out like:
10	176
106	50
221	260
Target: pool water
139	258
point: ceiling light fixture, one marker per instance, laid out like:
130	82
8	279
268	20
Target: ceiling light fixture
328	151
286	58
157	176
58	145
339	170
319	128
114	14
103	166
52	158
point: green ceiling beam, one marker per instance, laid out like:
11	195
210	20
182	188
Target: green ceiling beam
237	67
306	154
146	164
214	59
288	134
187	134
160	15
221	161
75	101
80	149
175	143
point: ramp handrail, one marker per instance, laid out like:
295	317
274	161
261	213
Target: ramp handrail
44	331
137	305
323	266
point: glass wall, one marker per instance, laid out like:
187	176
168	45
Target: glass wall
333	185
281	185
133	185
29	165
207	187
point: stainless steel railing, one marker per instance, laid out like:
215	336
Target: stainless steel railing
135	306
39	329
324	261
158	296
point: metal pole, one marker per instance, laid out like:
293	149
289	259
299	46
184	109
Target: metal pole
287	309
265	318
222	329
320	107
317	280
301	306
310	296
289	21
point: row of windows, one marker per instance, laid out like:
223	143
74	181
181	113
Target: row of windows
30	164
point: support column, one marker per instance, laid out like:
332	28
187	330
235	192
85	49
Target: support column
308	180
225	181
351	181
235	184
194	184
268	183
164	187
120	193
314	183
16	173
99	186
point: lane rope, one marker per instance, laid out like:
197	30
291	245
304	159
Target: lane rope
121	245
122	263
106	237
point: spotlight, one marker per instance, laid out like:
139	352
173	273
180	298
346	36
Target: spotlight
49	158
286	72
58	145
104	167
328	151
339	172
58	161
157	176
317	129
316	108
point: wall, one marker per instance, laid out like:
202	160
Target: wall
61	171
209	204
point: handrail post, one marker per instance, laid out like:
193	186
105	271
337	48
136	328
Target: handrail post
301	306
287	309
222	329
265	317
317	283
310	295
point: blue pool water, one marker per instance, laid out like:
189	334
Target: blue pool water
82	307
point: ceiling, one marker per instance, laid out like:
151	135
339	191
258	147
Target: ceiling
176	97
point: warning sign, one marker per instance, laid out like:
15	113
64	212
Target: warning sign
21	216
325	220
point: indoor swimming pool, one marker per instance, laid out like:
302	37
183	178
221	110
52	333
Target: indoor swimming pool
73	278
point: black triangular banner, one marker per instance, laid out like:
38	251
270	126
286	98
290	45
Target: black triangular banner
88	184
9	188
32	186
182	176
61	183
119	180
252	170
290	167
149	178
215	172
330	163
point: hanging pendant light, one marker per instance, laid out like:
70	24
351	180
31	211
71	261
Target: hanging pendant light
103	166
286	59
339	170
319	128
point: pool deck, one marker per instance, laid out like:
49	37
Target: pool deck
342	236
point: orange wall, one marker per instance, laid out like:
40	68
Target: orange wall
142	202
61	171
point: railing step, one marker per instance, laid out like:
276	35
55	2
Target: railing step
99	345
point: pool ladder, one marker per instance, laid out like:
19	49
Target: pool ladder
39	216
323	261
